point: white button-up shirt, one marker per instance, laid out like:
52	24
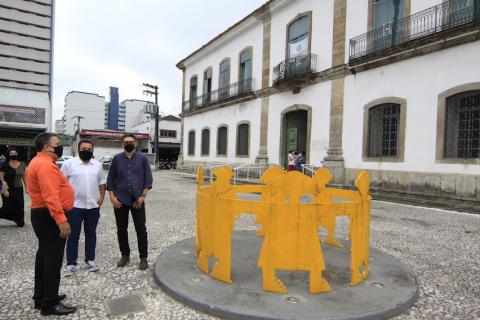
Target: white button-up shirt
85	179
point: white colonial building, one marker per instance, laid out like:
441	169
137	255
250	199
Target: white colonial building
391	86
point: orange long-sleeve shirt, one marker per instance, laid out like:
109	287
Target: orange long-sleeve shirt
48	187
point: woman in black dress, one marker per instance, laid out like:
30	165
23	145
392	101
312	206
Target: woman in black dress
12	172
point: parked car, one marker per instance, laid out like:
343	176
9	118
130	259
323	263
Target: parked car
61	160
106	161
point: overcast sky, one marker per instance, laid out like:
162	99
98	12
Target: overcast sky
123	43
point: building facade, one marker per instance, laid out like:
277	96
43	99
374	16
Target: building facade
390	86
84	109
136	112
169	138
26	50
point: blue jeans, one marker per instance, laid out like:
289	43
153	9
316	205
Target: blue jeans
89	217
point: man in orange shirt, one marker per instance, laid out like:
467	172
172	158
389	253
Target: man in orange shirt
51	196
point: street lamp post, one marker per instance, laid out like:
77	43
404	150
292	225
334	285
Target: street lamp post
155	142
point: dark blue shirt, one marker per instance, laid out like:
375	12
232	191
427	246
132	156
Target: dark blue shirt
128	177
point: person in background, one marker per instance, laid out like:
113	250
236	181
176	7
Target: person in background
51	196
85	174
12	171
291	161
299	161
129	180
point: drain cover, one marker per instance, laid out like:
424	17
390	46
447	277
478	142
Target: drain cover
123	305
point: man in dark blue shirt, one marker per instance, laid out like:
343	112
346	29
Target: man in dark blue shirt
128	182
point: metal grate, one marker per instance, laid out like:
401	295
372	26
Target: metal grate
383	130
295	67
462	135
9	113
442	18
222	94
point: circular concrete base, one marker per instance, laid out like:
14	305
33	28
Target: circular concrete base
389	289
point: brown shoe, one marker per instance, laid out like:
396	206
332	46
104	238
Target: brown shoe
124	260
143	265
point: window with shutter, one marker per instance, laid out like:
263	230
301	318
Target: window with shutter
191	143
222	141
243	139
205	142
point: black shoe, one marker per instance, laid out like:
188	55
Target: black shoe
58	310
124	260
20	224
143	264
38	304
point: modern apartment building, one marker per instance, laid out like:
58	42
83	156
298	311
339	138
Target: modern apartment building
114	112
389	86
84	109
26	50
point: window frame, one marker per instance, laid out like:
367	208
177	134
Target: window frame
441	125
204	92
287	32
401	130
189	142
205	129
226	140
245	122
193	98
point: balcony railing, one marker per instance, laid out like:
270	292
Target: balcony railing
222	94
442	18
294	68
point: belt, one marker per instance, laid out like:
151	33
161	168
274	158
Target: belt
40	210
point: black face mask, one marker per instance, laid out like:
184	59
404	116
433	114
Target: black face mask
85	155
13	157
129	147
58	150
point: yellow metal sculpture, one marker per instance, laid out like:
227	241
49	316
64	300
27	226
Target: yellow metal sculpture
291	209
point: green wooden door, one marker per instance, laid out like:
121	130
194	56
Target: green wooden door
292	141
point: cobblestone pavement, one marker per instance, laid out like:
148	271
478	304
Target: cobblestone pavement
442	248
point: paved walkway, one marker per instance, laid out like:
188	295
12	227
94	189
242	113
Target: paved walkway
442	248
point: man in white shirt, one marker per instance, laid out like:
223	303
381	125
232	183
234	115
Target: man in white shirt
86	176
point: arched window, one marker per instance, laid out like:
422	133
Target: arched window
298	37
384	130
207	86
245	71
193	91
224	79
243	139
191	143
222	140
205	142
462	125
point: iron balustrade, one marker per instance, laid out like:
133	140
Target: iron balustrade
295	68
231	91
441	18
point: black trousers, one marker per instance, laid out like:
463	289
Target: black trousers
138	216
13	206
48	261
